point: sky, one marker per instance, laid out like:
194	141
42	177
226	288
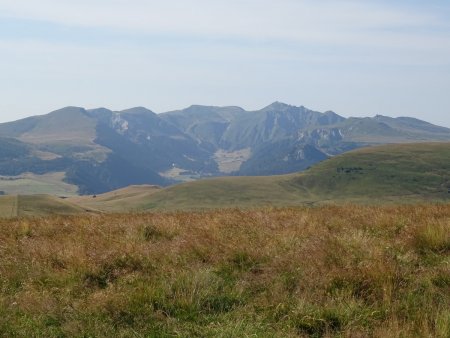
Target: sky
355	57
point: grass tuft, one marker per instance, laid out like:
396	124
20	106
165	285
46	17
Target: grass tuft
433	238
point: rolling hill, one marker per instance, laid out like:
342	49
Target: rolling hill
99	150
37	205
122	200
390	173
396	173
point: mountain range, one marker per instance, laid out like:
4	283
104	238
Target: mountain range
78	151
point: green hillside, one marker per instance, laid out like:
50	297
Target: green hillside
37	205
384	174
126	199
226	192
410	170
397	173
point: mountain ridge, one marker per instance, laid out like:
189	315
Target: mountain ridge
101	150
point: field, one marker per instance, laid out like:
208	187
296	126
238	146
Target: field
52	184
8	206
122	200
37	205
346	271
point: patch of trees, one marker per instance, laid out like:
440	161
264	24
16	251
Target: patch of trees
10	148
17	166
349	170
96	178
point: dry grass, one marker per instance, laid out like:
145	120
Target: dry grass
28	183
348	271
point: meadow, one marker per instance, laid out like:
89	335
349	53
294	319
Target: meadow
325	271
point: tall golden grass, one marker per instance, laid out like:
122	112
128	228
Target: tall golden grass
347	271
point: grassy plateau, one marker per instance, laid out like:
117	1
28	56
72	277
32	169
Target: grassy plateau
325	271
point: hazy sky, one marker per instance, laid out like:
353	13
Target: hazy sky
358	58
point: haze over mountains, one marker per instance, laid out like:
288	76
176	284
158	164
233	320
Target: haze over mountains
94	151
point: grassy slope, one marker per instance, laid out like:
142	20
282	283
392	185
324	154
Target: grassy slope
50	184
36	205
41	205
397	173
8	206
126	199
407	172
69	125
224	192
348	271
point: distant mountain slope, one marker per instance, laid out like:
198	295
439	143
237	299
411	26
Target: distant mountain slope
100	150
72	125
204	124
285	138
144	139
232	128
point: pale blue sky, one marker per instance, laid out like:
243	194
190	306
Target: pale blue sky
358	58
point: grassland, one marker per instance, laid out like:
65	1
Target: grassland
405	170
345	271
224	192
396	174
406	173
51	184
37	205
8	206
127	199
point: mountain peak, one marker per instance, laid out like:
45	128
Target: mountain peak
68	110
380	117
277	106
138	111
202	108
